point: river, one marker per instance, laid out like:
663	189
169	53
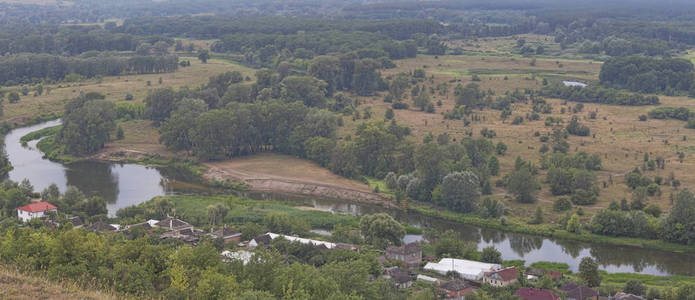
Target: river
123	185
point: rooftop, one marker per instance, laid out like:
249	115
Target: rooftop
173	223
455	285
578	291
405	249
468	269
37	207
536	294
507	274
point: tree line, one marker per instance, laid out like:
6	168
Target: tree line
648	75
597	94
31	68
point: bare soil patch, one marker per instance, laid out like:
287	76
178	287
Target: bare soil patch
287	174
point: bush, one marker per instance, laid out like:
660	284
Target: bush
562	204
635	287
653	210
583	197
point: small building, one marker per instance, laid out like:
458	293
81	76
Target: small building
428	279
501	278
144	225
264	239
35	210
554	275
187	236
401	278
171	223
76	222
456	289
626	296
467	269
579	292
527	293
227	234
101	227
410	254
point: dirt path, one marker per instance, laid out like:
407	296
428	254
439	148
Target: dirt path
287	174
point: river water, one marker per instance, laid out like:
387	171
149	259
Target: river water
124	185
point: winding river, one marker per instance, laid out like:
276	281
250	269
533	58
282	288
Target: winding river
123	185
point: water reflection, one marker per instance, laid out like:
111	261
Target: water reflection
120	185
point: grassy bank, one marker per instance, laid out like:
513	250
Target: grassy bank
16	285
546	230
242	210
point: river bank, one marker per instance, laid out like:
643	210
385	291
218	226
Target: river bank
548	230
119	183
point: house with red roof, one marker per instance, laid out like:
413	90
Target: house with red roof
536	294
501	278
34	210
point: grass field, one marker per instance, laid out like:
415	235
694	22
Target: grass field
14	285
617	135
115	88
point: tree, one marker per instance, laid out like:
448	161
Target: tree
537	216
422	100
588	272
635	287
493	165
574	225
309	90
204	55
461	191
119	133
523	185
449	244
381	230
491	255
492	208
13	97
51	194
679	225
213	285
87	125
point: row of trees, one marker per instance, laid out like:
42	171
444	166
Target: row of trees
30	68
596	94
63	40
676	227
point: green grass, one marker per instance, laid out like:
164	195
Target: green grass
35	135
545	265
194	209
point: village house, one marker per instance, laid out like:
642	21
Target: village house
528	293
35	210
626	296
410	254
76	222
227	234
457	289
538	273
401	278
101	227
579	292
261	240
171	223
501	278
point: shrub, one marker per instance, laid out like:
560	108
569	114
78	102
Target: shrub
562	204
